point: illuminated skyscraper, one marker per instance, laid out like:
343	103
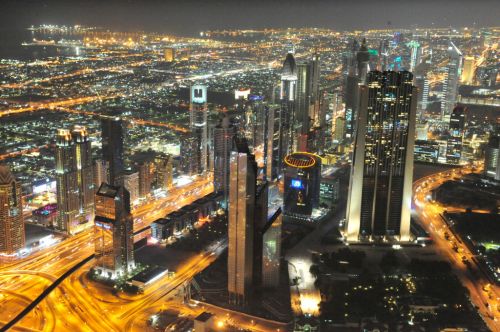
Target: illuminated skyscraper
75	180
302	182
351	92
164	171
456	135
113	231
112	147
307	94
146	176
415	54
131	183
379	201
190	154
169	54
224	133
450	84
199	123
469	70
271	251
272	144
287	110
12	236
492	157
242	184
362	60
100	173
422	84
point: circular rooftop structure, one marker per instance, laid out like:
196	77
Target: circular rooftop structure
301	160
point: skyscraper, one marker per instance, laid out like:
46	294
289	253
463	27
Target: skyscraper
287	110
224	133
272	144
112	147
271	251
456	135
351	91
190	154
415	54
307	94
379	201
492	157
113	231
242	183
469	70
450	84
164	171
198	123
131	183
75	180
12	236
302	182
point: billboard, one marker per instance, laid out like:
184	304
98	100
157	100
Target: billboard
199	94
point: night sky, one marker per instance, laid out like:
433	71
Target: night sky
187	17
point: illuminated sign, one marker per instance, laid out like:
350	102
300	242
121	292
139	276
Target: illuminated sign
199	94
241	94
297	184
373	51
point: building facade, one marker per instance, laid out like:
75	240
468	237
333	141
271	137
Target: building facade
12	236
380	188
113	232
242	184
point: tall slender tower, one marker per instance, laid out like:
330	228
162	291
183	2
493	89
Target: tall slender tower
12	236
287	110
351	91
85	174
68	201
75	180
242	184
112	147
164	171
224	134
379	201
450	85
198	122
113	232
456	135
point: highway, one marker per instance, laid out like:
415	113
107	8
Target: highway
429	213
22	281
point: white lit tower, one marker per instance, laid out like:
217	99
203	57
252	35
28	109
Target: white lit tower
450	85
198	122
287	110
379	201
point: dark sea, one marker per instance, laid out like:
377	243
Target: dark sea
11	45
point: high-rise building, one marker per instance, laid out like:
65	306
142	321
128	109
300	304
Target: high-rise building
379	201
339	132
422	130
85	174
422	84
450	84
75	180
456	135
415	54
271	251
190	154
224	133
242	183
306	95
169	54
164	171
351	92
260	221
112	147
113	231
131	183
146	177
100	173
287	111
272	144
12	237
199	123
492	158
362	60
302	182
469	70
